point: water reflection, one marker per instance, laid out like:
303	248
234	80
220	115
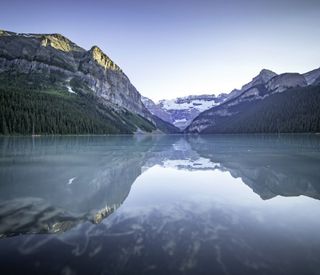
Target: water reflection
55	183
286	165
187	204
66	180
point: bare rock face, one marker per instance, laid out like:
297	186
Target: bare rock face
156	109
103	60
312	76
262	78
285	81
254	88
234	93
59	42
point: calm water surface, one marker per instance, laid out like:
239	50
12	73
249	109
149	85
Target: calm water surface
160	205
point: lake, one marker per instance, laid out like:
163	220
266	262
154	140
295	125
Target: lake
224	204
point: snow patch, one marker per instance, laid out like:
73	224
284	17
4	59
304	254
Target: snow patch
198	164
180	120
198	104
70	90
70	181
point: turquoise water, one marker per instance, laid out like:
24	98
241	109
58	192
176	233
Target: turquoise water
160	205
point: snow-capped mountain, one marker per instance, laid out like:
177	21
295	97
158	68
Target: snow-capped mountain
182	110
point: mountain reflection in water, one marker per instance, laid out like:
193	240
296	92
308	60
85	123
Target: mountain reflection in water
186	205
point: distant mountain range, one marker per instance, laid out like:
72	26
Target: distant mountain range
182	110
287	102
50	85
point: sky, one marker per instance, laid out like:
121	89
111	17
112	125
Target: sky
182	47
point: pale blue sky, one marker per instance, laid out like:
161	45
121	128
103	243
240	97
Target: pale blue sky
176	48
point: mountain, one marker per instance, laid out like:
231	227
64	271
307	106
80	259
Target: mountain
156	109
312	77
182	110
285	81
261	79
269	103
50	85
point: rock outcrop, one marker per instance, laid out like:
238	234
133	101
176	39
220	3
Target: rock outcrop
285	81
312	77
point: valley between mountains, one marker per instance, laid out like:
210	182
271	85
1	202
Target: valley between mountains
50	85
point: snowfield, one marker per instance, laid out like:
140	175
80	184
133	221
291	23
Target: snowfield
199	105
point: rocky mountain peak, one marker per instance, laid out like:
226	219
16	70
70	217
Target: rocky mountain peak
59	42
102	59
262	78
266	75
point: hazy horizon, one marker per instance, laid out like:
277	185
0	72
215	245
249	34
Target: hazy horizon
174	49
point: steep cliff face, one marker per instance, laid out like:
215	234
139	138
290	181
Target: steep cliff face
53	61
